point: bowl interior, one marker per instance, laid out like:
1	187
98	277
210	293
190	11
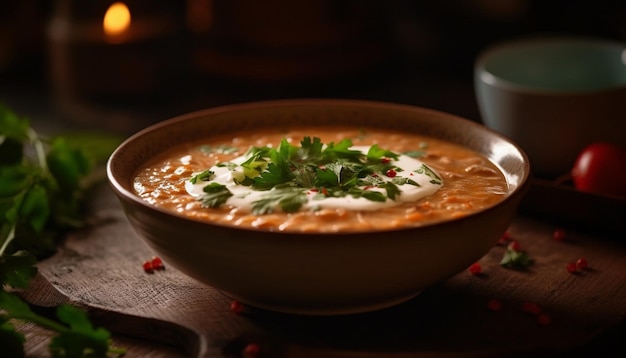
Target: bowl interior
557	64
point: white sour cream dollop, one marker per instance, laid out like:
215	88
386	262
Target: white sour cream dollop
244	196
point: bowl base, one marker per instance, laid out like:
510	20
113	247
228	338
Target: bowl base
329	310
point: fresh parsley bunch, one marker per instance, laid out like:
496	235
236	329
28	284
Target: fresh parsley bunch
42	188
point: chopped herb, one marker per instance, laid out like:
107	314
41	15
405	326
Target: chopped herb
288	199
414	153
424	169
204	176
515	259
288	172
215	195
228	165
375	153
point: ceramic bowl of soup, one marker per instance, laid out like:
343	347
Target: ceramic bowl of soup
319	206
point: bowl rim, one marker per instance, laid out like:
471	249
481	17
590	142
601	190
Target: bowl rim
518	191
482	75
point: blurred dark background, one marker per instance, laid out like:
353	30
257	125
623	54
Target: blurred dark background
59	66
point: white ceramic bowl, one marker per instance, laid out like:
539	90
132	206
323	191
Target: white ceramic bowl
319	274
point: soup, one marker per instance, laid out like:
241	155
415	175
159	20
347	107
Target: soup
335	179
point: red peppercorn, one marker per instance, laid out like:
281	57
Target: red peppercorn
475	268
571	267
504	238
385	160
531	307
252	350
147	266
494	304
559	235
544	319
157	263
236	307
391	173
581	263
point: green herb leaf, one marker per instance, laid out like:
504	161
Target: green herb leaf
17	269
204	176
81	339
288	199
215	195
392	189
424	169
375	153
11	341
415	153
515	259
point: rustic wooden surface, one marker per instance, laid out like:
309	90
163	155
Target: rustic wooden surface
166	314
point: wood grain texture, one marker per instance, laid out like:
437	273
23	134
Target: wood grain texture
101	268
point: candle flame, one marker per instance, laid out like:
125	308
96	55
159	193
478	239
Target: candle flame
116	20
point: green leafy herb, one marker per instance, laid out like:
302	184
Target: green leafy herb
288	199
42	189
204	176
215	195
424	169
76	337
331	170
515	259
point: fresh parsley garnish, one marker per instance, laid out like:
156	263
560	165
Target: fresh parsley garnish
203	176
215	194
434	178
288	199
287	172
515	259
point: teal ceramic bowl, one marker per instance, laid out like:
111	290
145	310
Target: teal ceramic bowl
553	96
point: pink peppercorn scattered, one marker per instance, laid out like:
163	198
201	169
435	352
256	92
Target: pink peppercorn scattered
581	263
475	268
251	350
155	263
504	238
494	304
236	307
544	319
571	267
391	173
559	235
531	307
147	266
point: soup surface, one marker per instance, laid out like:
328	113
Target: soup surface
321	180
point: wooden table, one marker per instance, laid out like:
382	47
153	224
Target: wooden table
166	314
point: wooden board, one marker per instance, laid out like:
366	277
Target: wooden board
100	268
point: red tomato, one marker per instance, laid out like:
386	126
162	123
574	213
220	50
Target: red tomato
601	169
